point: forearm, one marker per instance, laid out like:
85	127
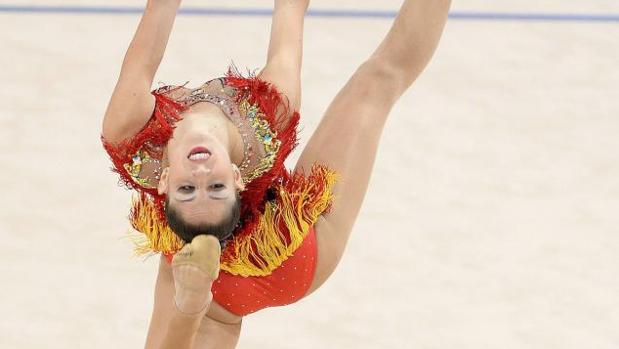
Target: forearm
150	40
413	37
286	42
131	103
284	57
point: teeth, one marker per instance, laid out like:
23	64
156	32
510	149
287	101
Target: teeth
199	156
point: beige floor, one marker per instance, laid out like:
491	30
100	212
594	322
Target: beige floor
492	219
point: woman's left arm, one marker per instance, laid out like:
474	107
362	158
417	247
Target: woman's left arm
283	67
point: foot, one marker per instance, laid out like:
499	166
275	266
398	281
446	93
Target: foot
195	267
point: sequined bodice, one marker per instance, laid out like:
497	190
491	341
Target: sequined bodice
277	207
259	139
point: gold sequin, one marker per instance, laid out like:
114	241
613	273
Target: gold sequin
264	135
134	168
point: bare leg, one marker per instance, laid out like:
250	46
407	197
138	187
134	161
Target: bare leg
348	136
183	298
220	328
220	333
214	334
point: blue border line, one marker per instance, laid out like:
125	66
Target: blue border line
262	12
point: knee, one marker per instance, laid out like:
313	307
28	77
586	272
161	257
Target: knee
383	77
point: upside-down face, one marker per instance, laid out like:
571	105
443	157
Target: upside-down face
200	181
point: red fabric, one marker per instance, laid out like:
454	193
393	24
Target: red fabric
275	109
155	133
159	128
286	285
240	295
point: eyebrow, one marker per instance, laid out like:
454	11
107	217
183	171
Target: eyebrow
191	199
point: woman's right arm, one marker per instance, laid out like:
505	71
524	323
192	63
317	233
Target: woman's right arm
132	104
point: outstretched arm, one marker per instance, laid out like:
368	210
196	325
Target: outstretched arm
132	104
283	67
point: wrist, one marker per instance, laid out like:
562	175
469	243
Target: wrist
300	4
163	3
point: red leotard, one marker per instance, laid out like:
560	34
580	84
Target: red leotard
271	259
285	285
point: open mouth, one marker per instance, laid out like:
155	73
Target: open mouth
198	154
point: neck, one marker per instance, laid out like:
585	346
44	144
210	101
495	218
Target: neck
209	118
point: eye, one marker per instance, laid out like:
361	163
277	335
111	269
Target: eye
218	187
186	189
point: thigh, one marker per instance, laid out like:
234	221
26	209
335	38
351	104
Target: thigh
347	140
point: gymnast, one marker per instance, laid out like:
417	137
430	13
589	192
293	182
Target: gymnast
238	232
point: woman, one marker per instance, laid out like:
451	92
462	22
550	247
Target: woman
209	160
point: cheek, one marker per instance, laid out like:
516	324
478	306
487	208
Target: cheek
174	157
175	177
176	163
223	170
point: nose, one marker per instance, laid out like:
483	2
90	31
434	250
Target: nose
201	171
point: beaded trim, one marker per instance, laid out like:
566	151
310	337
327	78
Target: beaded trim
200	95
134	168
259	140
265	136
257	125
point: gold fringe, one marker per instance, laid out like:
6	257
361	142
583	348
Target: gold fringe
299	204
157	235
296	210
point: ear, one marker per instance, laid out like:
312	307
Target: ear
238	179
162	186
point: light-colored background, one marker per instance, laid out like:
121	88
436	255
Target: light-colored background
491	222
